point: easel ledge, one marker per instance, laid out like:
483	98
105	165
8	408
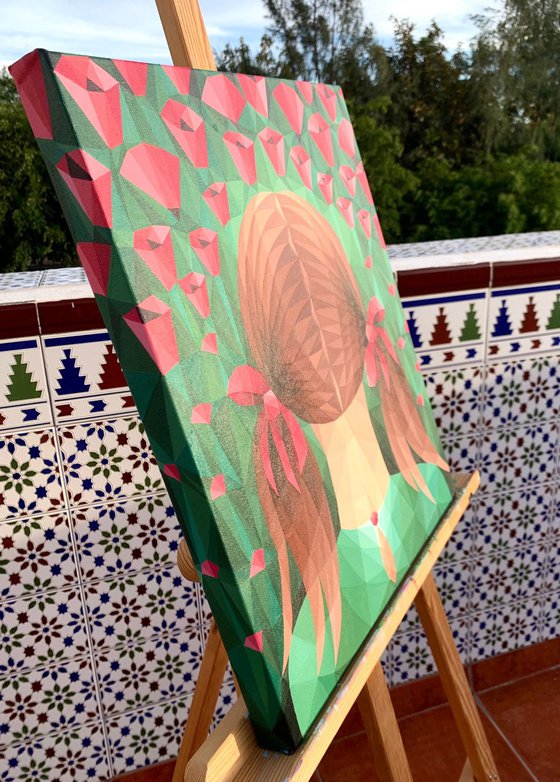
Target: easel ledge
230	752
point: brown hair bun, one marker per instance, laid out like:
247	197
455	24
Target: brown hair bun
300	306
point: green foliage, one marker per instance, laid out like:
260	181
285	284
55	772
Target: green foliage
32	228
462	143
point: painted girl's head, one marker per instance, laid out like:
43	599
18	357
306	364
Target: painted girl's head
300	306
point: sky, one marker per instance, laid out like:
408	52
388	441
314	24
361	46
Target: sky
131	29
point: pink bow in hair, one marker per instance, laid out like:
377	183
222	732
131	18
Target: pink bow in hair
248	387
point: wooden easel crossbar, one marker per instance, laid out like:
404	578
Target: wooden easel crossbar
231	752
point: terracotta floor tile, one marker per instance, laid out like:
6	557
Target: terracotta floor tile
418	695
528	712
348	759
514	665
161	772
433	748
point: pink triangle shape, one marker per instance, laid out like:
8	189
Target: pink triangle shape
257	562
255	641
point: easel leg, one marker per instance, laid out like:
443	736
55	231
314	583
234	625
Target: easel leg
454	680
384	736
210	678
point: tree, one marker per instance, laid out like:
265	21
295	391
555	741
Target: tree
530	320
554	319
70	379
325	41
502	326
431	101
32	228
517	57
111	375
21	384
471	329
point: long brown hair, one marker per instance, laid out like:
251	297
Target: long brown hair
305	327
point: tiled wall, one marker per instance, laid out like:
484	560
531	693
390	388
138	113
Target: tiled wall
490	352
100	636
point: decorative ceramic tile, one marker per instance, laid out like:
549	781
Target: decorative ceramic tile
44	700
474	244
410	623
526	454
29	474
113	539
74	755
41	629
226	699
448	329
504	628
69	276
85	377
524	319
106	460
549	615
162	668
13	280
147	736
411	657
36	555
462	541
523	391
454	396
454	584
503	521
462	453
511	575
23	389
140	606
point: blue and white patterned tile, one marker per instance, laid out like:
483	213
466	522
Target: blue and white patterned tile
160	669
549	615
85	377
226	699
411	657
107	460
117	538
505	628
510	575
521	392
140	606
448	329
461	543
454	582
504	521
73	275
524	320
526	454
78	754
15	280
36	555
30	481
147	736
41	629
46	700
462	453
455	400
24	400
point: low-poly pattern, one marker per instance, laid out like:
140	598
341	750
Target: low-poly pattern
228	231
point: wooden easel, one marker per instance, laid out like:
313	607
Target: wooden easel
231	753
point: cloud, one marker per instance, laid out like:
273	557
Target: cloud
132	28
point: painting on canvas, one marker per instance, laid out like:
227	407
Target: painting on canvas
228	231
